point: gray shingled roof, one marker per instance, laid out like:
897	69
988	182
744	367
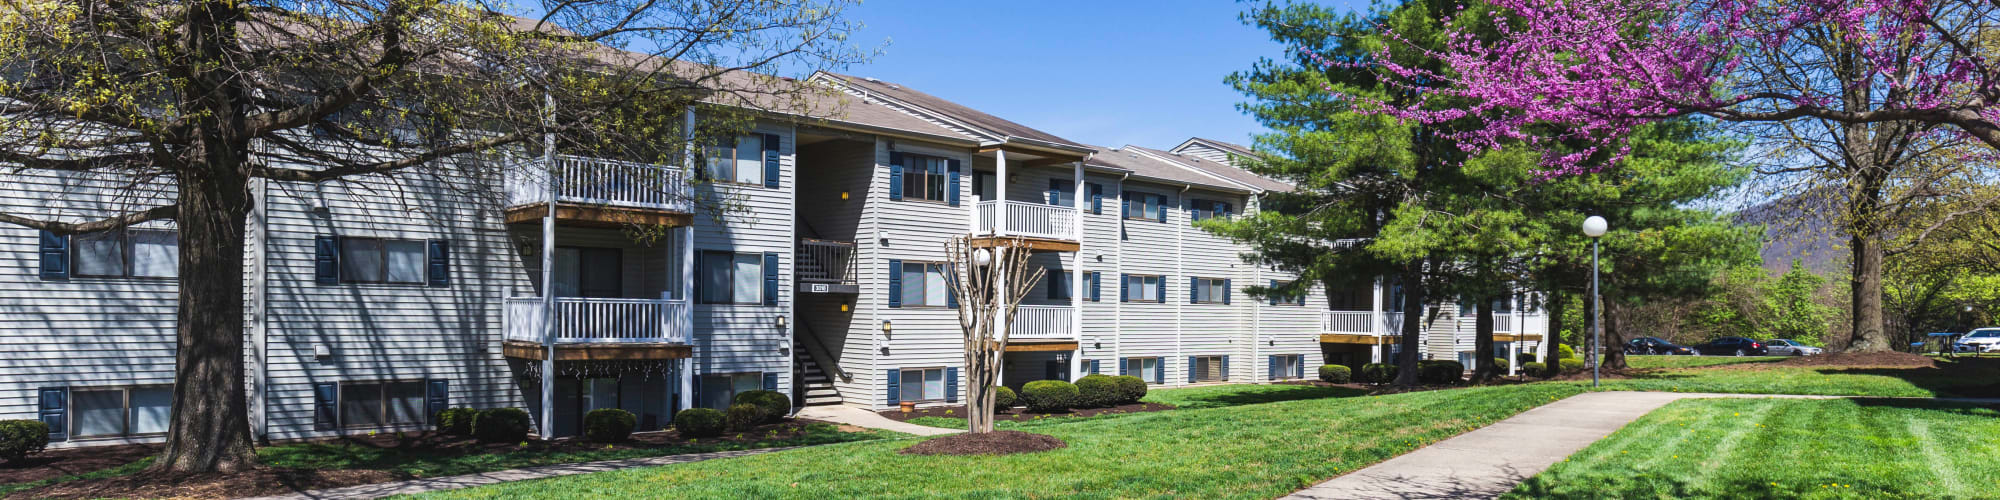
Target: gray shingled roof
1223	170
1238	149
955	111
1156	170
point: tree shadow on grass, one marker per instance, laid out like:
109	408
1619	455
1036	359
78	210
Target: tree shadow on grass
1961	377
1273	394
1626	483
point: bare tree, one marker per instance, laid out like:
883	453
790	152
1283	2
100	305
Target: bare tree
990	282
193	101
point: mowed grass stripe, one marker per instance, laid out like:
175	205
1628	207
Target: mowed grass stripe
1804	449
1250	451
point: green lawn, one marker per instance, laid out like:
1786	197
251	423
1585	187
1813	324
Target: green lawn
1962	377
1252	451
1765	448
419	463
1215	396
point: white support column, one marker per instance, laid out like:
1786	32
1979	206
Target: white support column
687	266
1077	194
1377	324
549	319
1000	192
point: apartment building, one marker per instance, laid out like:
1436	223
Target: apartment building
375	302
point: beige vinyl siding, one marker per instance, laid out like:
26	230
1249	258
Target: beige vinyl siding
907	230
736	338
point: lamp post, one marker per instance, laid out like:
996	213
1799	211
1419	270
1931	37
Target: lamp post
1595	227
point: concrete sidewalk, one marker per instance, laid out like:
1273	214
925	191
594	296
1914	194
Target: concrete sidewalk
863	418
1489	461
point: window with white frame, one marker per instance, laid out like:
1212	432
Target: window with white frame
732	278
120	411
381	404
719	390
1209	369
1210	290
1143	288
925	178
128	253
380	260
921	384
924	285
738	160
1144	368
1287	366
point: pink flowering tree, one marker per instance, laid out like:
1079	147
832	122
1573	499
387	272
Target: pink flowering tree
1840	97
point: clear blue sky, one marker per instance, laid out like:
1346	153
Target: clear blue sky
1099	72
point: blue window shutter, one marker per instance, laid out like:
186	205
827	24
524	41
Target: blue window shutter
1160	287
55	257
1225	291
439	270
952	172
1123	368
1124	288
699	256
771	160
1160	370
950	295
1190	369
770	381
55	412
1094	286
1225	367
437	397
894	393
1271	367
1094	366
770	278
951	385
1096	198
1302	296
1299	369
1194	284
1054	195
326	406
895	175
1274	295
1162	203
1194	210
698	380
895	284
326	260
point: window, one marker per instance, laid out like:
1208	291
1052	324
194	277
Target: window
739	160
124	411
378	404
1209	369
1143	288
718	390
1145	368
1210	291
1143	206
925	178
1297	299
590	272
134	253
375	260
1286	366
921	384
1062	193
924	285
1204	209
732	278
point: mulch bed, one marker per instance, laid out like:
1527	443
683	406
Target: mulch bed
265	480
1022	414
986	443
1862	360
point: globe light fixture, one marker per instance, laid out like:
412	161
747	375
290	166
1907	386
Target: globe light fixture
982	257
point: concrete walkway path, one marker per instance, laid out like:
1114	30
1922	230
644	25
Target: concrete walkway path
863	418
414	486
1491	460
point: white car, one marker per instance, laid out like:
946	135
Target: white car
1789	347
1981	340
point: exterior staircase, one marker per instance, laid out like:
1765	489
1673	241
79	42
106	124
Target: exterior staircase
815	388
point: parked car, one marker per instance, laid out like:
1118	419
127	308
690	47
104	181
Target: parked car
1785	347
1732	346
1980	340
1655	345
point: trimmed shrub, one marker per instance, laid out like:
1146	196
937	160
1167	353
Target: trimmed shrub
775	405
1500	364
20	438
1131	388
608	425
1526	357
698	422
1572	365
456	421
1440	372
1564	351
1097	391
1378	373
1535	369
500	425
745	416
1335	374
1049	395
1003	398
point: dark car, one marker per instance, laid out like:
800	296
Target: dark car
1655	345
1732	346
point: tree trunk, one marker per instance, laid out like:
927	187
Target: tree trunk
1412	328
1551	341
1482	341
1614	357
1866	322
210	427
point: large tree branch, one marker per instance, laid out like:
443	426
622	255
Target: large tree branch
347	170
151	214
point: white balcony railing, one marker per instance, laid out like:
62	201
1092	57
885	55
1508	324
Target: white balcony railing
1031	220
1042	323
1503	323
594	181
1347	322
594	320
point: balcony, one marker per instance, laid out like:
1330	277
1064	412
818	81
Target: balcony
1347	322
1042	328
827	266
594	191
1041	226
599	328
